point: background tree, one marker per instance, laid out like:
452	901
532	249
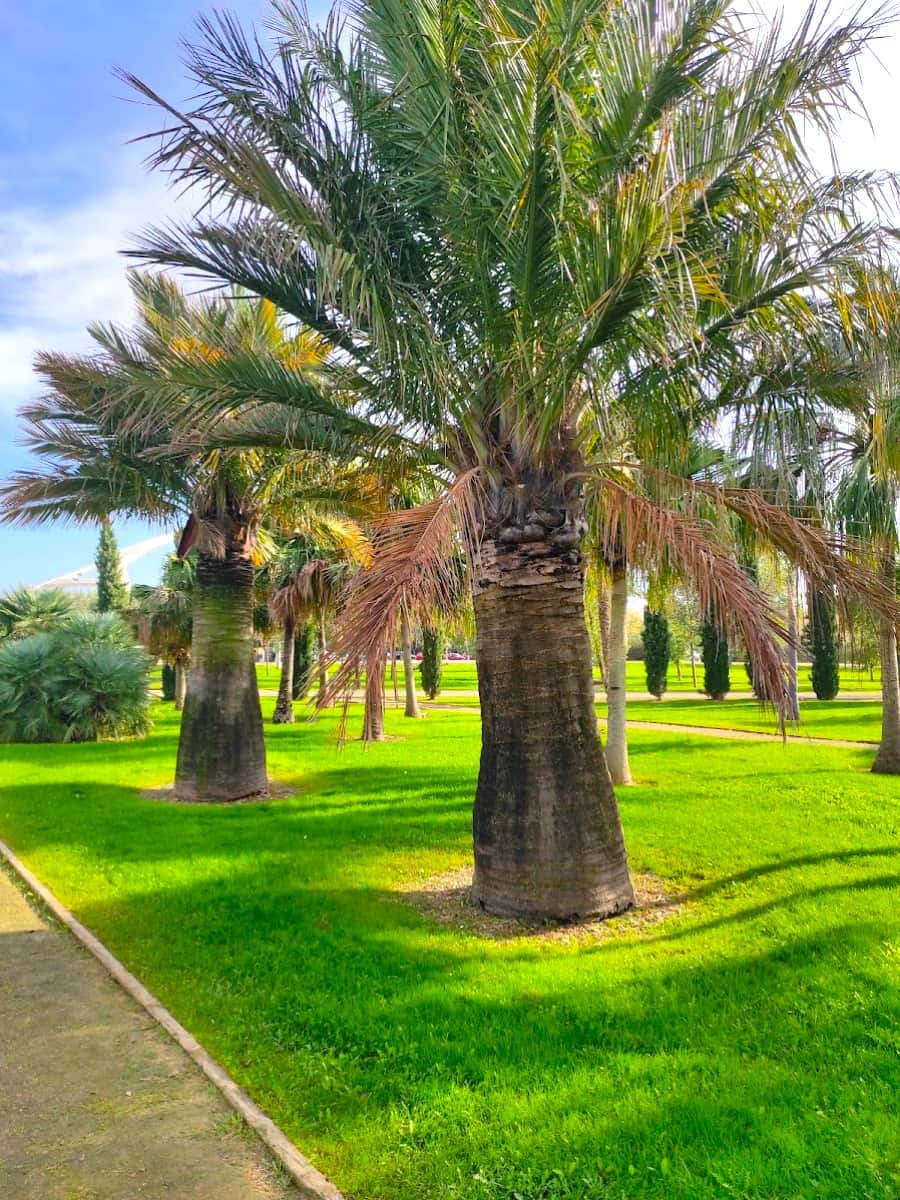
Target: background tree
432	666
716	669
657	651
168	610
112	591
825	676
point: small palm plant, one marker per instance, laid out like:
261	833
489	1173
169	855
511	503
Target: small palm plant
26	611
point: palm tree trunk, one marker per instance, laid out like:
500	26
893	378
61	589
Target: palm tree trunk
321	651
221	752
284	705
373	719
603	621
616	693
793	713
548	839
409	679
181	674
887	760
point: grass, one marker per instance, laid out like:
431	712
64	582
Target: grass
744	1048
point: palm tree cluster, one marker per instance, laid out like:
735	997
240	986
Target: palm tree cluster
545	286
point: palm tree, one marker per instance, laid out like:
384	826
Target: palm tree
109	432
168	611
482	207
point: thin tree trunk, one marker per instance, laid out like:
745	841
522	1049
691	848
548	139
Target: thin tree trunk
617	697
284	705
887	760
694	664
321	651
373	719
793	707
547	834
221	751
181	674
409	679
603	622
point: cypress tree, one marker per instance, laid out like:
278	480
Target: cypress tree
825	673
112	591
432	661
657	651
168	681
716	672
303	660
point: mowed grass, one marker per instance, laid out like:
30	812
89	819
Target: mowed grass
745	1047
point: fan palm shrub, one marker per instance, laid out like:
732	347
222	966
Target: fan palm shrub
84	680
497	214
26	611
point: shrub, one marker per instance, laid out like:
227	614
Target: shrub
81	682
716	672
432	666
26	611
825	671
657	651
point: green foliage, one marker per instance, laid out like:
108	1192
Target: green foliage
479	1057
825	669
657	651
304	654
716	671
80	682
432	665
26	611
112	591
168	681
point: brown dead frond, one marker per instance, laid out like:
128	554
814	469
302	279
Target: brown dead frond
653	534
415	562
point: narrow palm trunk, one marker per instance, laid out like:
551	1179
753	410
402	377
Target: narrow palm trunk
321	651
793	713
887	760
603	621
548	839
181	674
616	726
221	752
373	719
409	679
284	705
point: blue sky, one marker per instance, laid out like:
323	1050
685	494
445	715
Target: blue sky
72	190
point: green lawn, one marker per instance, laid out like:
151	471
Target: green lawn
744	1048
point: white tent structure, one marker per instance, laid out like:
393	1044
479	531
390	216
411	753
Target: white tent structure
85	578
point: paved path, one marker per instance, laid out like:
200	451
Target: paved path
96	1103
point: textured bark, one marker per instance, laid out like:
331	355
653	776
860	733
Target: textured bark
373	718
616	694
548	839
793	713
181	678
603	622
409	679
284	705
887	760
221	752
321	654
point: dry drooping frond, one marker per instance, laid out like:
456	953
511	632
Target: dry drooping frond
651	533
830	561
415	562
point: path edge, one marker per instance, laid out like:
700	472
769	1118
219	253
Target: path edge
311	1183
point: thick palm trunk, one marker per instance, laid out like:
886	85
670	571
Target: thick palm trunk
409	679
793	713
548	839
221	752
616	693
373	718
284	705
887	760
181	676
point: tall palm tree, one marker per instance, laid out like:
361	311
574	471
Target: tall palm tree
109	432
480	207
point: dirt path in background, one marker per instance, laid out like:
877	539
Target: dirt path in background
96	1103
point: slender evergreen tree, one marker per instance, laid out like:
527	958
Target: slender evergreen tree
825	672
716	672
304	643
657	651
112	590
433	644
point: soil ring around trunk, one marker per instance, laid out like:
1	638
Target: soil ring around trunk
277	790
446	900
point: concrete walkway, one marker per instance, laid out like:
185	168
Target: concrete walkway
96	1103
